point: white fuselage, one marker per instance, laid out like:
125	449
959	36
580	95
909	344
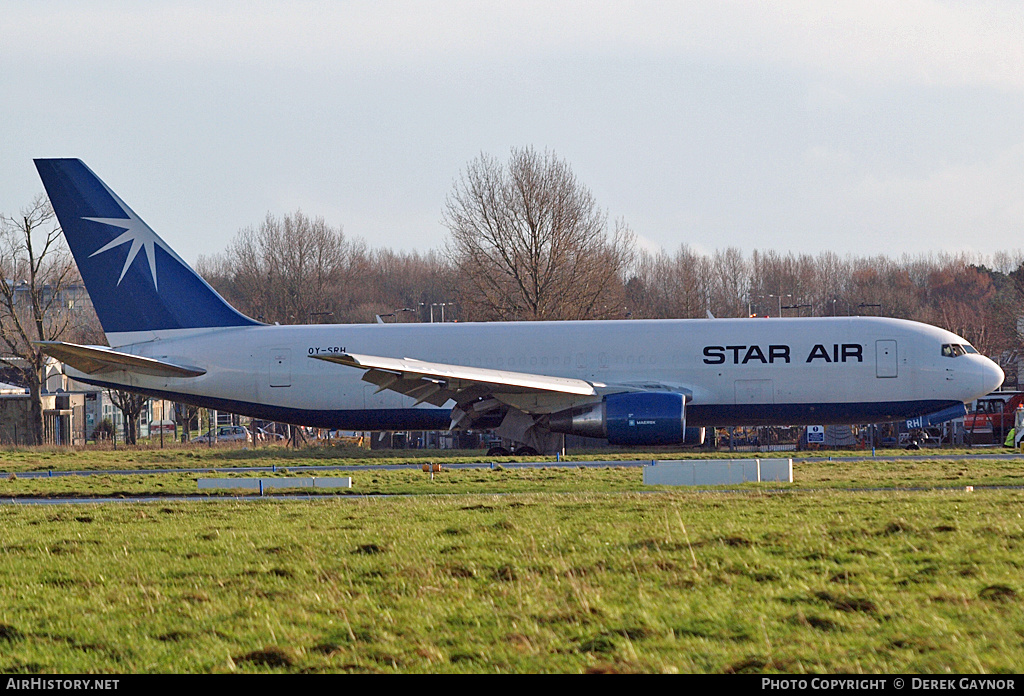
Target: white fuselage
739	371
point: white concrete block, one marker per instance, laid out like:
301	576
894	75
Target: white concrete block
716	472
277	482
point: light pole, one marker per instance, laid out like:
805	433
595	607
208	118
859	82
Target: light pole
779	298
750	307
442	305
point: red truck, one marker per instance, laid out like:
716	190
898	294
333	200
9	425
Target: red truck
992	417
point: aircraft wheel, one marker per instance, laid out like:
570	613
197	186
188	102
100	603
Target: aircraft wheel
498	452
526	452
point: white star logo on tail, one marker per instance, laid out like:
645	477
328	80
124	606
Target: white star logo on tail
139	234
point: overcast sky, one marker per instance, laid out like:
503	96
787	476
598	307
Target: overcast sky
862	127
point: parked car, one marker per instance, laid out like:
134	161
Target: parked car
226	433
163	426
268	435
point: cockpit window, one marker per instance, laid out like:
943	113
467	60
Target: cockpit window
955	350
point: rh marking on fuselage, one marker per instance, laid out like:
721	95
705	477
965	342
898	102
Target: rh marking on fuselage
777	353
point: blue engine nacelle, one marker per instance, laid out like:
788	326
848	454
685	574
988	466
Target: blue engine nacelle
645	418
631	418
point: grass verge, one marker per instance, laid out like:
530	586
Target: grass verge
536	570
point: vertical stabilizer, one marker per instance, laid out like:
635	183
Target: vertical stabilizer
140	288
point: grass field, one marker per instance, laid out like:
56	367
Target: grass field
872	567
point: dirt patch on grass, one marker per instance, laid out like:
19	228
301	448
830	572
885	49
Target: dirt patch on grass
271	656
998	593
173	636
505	573
848	604
10	633
818	623
754	665
460	571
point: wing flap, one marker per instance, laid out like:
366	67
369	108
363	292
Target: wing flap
397	374
96	359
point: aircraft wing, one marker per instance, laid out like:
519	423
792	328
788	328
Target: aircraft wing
95	359
437	383
478	391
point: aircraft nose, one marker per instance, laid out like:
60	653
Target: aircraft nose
991	376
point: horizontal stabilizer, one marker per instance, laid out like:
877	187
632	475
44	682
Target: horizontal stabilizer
95	359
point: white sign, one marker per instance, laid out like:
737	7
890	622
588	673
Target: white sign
815	434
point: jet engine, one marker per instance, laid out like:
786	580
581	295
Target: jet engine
631	418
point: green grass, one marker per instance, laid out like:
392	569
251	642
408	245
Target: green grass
802	582
176	455
509	570
869	473
393	481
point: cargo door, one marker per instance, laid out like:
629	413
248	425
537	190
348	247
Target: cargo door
885	358
280	367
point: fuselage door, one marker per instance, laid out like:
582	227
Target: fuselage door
885	358
280	367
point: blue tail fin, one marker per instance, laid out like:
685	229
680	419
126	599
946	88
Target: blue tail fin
137	284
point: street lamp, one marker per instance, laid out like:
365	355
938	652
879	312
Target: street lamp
442	305
751	306
779	298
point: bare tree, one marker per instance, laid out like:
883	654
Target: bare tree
671	287
399	281
36	270
291	270
300	270
185	415
130	404
529	242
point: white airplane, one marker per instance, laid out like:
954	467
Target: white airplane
632	382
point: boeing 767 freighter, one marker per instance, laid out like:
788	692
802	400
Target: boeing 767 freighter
632	382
